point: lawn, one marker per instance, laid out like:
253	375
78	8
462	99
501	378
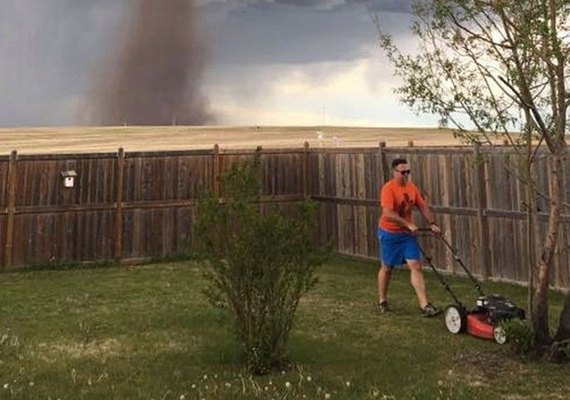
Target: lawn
148	333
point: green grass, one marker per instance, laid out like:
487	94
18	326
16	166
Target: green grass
148	333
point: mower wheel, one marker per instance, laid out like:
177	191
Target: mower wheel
500	335
455	319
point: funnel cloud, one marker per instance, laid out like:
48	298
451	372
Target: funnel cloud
155	78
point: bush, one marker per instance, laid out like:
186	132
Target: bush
519	335
259	261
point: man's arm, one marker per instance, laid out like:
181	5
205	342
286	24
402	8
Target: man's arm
429	216
393	216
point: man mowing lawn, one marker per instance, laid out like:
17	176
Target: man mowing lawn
396	235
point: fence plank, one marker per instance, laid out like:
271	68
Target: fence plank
216	171
120	171
10	208
483	226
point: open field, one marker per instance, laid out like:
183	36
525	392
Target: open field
109	139
148	333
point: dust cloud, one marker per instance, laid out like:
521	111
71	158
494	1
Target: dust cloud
155	76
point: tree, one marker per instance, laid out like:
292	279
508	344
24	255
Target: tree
500	66
258	262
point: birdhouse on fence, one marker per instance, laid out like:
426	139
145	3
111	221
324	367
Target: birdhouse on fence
68	178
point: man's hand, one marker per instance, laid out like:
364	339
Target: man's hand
412	228
434	228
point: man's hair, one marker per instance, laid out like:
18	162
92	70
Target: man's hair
398	161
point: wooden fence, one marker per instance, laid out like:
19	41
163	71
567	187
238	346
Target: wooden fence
476	193
137	205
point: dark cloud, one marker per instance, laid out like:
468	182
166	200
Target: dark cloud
302	31
48	50
270	36
396	6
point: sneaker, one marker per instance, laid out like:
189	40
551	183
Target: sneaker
383	307
430	310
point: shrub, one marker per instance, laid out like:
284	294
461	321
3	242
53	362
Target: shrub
259	261
519	335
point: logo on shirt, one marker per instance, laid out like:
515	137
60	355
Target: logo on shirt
404	209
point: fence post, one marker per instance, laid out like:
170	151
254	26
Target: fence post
306	170
482	221
410	143
216	171
559	262
383	162
10	208
119	202
447	217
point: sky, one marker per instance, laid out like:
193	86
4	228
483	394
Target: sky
267	62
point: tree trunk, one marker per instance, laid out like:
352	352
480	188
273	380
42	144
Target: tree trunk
563	332
539	317
560	348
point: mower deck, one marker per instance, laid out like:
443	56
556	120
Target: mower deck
477	325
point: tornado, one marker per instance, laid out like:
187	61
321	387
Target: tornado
155	76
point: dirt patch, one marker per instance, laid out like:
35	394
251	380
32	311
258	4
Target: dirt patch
107	348
482	369
95	349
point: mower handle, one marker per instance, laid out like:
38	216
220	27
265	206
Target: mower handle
439	276
456	258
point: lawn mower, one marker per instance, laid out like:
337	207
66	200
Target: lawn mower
483	321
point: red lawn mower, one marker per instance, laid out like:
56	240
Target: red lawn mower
484	321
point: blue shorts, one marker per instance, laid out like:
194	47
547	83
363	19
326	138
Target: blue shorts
396	248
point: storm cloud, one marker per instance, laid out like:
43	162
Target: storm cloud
393	6
48	50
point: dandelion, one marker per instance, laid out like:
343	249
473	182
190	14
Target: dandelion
270	383
182	397
6	385
309	379
205	377
288	385
193	386
347	384
327	396
440	383
228	385
31	383
282	372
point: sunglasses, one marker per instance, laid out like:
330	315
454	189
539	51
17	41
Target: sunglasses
405	172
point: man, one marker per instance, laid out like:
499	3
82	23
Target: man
396	235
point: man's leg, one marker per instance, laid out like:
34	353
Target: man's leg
417	281
384	274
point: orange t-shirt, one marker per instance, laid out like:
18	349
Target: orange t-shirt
400	198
